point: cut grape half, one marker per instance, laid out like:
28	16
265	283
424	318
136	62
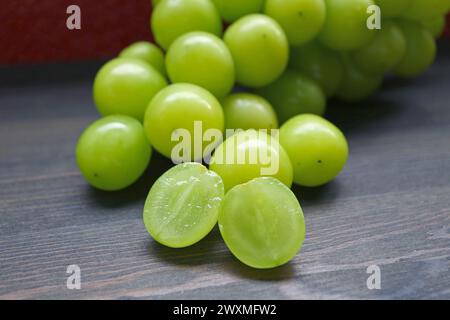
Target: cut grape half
262	223
183	205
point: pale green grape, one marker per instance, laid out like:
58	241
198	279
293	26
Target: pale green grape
155	3
318	150
183	205
203	59
420	50
301	20
259	48
294	93
174	111
250	154
147	52
248	111
426	9
113	152
393	8
231	10
126	86
345	26
321	64
435	25
262	223
356	85
384	52
173	18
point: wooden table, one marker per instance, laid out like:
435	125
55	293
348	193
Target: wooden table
390	207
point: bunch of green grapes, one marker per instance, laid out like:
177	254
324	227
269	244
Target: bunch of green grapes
246	97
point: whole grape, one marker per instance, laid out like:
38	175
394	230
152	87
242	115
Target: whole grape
231	10
250	154
147	52
172	116
259	48
321	64
173	18
393	8
301	20
318	149
435	25
384	52
345	26
294	93
420	50
203	59
426	9
126	86
113	152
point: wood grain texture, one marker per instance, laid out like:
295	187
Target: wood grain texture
390	206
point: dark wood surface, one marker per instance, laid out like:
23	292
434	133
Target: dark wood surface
389	207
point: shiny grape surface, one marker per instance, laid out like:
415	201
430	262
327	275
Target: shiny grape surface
113	152
318	149
147	52
126	86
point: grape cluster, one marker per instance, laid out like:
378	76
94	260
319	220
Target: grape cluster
276	63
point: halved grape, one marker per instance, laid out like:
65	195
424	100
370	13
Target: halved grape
318	149
183	205
356	85
345	26
173	18
171	120
294	93
262	223
259	48
202	59
250	154
248	111
231	10
384	52
301	20
126	86
147	52
420	50
113	152
321	64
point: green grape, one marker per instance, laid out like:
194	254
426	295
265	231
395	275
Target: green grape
249	111
231	10
393	8
203	59
126	86
294	93
173	18
147	52
345	27
175	111
183	205
356	85
420	50
435	25
321	64
385	51
262	223
301	20
318	150
155	3
113	152
259	48
426	9
250	154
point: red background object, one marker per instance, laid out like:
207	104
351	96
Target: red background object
34	31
